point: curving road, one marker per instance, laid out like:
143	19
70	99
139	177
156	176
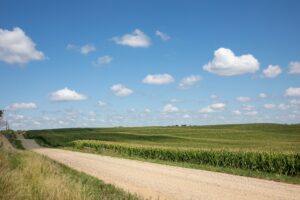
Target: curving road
151	180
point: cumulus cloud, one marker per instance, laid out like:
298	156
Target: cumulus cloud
158	79
189	81
136	39
162	36
213	108
170	108
121	90
22	106
272	71
226	63
269	106
17	48
243	99
292	92
85	49
103	60
294	67
263	95
66	95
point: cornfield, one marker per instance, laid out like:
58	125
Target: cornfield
279	163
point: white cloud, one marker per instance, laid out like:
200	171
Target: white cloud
248	107
103	60
147	110
294	67
86	49
295	102
272	71
251	113
292	92
226	63
121	90
163	36
213	96
186	116
66	95
72	47
283	106
135	39
213	108
158	79
206	109
243	99
17	48
218	106
102	103
269	106
22	106
170	108
189	81
237	112
263	95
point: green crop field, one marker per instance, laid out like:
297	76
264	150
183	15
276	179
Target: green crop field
250	137
258	148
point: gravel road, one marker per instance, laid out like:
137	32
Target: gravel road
167	182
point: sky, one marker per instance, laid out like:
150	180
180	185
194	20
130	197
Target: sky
149	63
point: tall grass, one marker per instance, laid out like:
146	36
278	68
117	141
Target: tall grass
26	175
279	163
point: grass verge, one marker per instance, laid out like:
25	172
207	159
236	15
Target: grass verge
26	175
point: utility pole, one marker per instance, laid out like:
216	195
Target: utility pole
3	121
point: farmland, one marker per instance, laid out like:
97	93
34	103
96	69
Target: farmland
258	148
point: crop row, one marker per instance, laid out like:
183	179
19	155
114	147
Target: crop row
288	164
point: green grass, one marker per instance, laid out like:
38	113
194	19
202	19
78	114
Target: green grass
261	150
25	175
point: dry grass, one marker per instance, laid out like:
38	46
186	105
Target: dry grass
26	175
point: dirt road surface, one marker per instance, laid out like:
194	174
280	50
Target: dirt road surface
151	180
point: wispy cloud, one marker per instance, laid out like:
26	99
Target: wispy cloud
85	49
162	36
103	60
189	81
22	106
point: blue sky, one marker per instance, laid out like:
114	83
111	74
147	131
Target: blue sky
136	63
